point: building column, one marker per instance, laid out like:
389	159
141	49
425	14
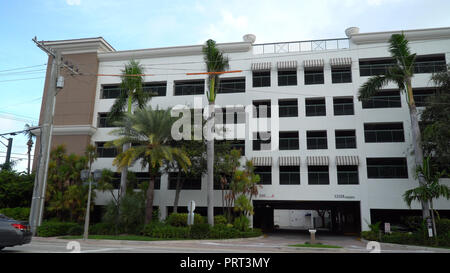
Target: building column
365	215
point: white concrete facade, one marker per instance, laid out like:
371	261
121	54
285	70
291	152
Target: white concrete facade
171	64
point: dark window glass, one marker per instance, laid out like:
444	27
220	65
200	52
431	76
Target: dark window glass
287	77
115	182
289	175
103	151
184	88
345	139
261	78
189	183
287	108
347	175
144	177
103	121
155	88
387	168
421	95
341	74
224	182
375	67
383	132
263	109
261	141
430	64
318	175
343	106
383	99
289	141
232	116
315	107
314	77
265	174
232	85
316	140
111	91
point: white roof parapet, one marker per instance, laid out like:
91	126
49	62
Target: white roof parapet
287	65
261	66
341	62
313	63
347	160
317	160
262	161
289	161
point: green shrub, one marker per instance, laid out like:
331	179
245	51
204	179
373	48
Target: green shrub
242	223
220	220
75	230
21	214
101	229
159	230
180	219
51	229
199	231
442	226
256	232
223	232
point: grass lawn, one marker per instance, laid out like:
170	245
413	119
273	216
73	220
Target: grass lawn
118	237
315	245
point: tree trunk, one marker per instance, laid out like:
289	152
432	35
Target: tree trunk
30	144
177	192
433	221
124	173
417	142
149	203
210	166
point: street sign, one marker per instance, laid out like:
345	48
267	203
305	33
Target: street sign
191	208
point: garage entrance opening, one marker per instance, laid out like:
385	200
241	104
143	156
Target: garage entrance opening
337	217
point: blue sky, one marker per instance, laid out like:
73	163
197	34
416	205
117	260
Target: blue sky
134	24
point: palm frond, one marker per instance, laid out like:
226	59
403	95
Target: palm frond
372	86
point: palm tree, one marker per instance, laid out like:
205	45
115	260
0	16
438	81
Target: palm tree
431	190
400	73
131	93
150	131
30	143
215	62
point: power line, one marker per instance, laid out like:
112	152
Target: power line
22	79
19	68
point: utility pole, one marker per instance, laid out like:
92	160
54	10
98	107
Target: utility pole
8	152
40	182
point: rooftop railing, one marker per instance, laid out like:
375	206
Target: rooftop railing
301	46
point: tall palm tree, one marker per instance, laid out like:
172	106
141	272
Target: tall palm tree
215	62
431	190
150	131
400	73
30	143
131	93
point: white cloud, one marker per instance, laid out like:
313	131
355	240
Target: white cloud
73	2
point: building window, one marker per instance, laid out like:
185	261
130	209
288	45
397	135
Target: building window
265	174
345	139
315	107
261	78
231	86
287	77
341	74
224	182
103	151
287	108
347	175
384	132
392	167
184	88
289	141
144	177
261	141
343	106
383	99
314	76
318	175
375	67
421	95
103	121
234	145
316	140
232	115
189	183
289	175
110	91
262	110
157	89
430	64
115	181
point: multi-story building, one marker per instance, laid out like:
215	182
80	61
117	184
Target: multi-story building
327	151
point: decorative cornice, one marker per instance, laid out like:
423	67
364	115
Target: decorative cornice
77	46
69	130
411	35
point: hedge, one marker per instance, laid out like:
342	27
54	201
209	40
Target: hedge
180	219
52	229
21	214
